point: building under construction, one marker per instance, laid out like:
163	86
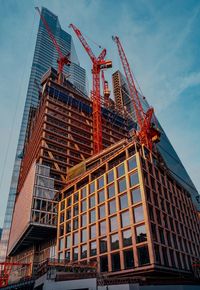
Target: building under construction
96	204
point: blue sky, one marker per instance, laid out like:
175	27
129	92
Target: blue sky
161	40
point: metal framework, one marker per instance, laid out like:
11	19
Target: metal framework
147	133
106	90
63	59
5	271
99	63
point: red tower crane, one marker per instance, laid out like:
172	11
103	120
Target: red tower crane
63	59
98	63
147	133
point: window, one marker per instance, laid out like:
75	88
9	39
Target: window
75	254
83	192
68	214
103	245
75	238
83	251
112	206
128	259
76	210
75	224
132	163
83	220
161	234
113	223
136	195
122	185
165	256
111	190
134	179
92	201
93	248
61	244
120	170
141	235
138	213
92	187
68	227
102	228
67	255
143	255
83	205
101	196
154	232
115	258
100	182
127	238
92	216
92	231
110	176
69	201
125	219
102	211
68	241
157	254
76	197
83	235
114	242
104	264
171	252
123	200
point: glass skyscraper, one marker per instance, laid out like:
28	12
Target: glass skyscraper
45	56
165	148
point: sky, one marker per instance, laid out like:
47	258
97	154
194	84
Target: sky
162	43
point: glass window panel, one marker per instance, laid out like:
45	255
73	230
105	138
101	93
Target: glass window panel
122	185
68	241
83	220
141	235
100	182
110	176
76	196
102	228
102	211
111	190
92	201
61	244
123	200
134	179
83	205
143	255
112	206
120	170
92	187
115	258
136	195
128	259
75	238
75	254
75	224
93	248
113	223
104	264
92	231
127	238
67	255
68	227
114	242
68	214
103	245
83	251
125	219
84	235
101	196
92	216
76	210
138	214
83	192
69	201
132	163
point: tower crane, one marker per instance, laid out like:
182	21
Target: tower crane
98	63
62	59
148	134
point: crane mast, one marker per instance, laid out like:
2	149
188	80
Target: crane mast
62	59
147	133
98	63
